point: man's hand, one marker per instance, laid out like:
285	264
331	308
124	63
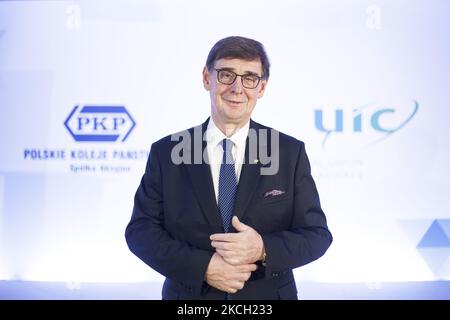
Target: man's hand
226	277
244	247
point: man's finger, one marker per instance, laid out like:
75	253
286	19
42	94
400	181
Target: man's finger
225	254
228	237
221	245
239	226
244	276
237	284
230	290
247	267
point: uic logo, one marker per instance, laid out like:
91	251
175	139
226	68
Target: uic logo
377	121
99	123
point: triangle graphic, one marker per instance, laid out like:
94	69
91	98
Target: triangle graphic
414	229
436	259
434	237
445	224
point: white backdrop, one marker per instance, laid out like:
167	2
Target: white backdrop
373	74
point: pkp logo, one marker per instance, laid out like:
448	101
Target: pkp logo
99	123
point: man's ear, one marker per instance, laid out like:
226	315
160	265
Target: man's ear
262	88
206	79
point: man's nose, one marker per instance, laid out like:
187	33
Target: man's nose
236	86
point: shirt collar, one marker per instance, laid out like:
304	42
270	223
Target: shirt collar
214	136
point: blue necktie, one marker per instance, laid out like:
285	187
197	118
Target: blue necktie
227	184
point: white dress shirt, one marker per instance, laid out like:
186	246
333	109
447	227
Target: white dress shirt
214	149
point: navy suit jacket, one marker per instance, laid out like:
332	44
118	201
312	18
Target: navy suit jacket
175	211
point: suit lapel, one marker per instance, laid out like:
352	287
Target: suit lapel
201	179
250	175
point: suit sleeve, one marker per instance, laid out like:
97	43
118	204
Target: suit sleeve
308	238
149	240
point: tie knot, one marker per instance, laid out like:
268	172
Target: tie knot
227	144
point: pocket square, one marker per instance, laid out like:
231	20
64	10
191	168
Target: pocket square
273	193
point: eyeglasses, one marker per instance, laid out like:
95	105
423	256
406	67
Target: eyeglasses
249	81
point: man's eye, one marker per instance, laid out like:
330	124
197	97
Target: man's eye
227	75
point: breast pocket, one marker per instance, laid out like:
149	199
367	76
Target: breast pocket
273	199
271	214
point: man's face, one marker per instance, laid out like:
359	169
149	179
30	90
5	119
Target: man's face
233	104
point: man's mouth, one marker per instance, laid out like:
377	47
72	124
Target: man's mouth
234	102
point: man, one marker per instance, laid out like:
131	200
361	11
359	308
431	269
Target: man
222	227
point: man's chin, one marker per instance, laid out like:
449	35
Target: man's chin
236	119
234	114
